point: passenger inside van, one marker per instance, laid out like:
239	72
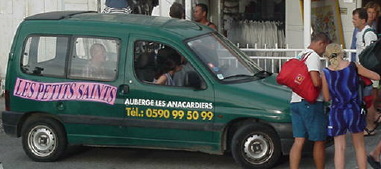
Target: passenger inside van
169	62
95	68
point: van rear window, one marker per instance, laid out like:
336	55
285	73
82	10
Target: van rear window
91	58
45	56
94	58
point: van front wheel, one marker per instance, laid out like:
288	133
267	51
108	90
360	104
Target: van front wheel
256	146
43	139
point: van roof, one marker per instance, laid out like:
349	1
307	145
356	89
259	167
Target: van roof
181	27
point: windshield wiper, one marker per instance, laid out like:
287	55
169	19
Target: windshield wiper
238	75
262	74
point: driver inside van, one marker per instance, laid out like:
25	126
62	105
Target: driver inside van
169	62
95	68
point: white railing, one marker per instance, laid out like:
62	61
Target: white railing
272	60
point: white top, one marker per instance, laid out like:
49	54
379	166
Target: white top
313	64
369	37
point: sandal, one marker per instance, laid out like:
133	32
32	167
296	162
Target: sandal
375	164
368	132
378	120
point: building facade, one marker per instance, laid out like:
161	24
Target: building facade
233	17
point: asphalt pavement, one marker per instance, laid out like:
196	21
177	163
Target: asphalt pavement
13	157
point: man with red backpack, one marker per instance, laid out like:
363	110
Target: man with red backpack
308	119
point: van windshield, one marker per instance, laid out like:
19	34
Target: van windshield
223	59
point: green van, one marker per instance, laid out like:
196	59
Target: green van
221	102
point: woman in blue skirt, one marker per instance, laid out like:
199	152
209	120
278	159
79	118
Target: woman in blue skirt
340	85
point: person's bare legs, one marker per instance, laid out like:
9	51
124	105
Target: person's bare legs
375	93
359	145
296	152
339	152
319	154
372	114
375	153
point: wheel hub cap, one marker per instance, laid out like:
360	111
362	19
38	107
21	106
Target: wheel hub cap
257	149
42	141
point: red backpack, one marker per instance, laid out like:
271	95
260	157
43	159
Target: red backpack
294	74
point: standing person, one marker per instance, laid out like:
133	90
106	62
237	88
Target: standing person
117	6
169	62
340	83
177	11
200	15
309	120
359	20
365	38
373	11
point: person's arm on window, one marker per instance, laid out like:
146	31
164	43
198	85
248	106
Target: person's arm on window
162	80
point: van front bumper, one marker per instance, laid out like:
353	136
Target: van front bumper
284	131
11	122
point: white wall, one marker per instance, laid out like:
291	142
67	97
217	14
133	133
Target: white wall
163	8
12	12
294	22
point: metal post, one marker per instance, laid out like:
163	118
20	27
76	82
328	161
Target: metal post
307	22
188	9
99	6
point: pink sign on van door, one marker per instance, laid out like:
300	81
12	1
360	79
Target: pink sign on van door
82	91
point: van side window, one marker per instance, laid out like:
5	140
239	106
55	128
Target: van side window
45	56
160	64
145	60
94	59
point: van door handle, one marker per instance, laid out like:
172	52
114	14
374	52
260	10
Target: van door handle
124	89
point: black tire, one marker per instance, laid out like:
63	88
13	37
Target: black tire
43	139
256	146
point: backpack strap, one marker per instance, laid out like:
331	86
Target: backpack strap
305	56
366	31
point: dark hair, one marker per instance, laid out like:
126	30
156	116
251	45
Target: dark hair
320	36
177	11
203	7
165	67
168	53
361	12
167	60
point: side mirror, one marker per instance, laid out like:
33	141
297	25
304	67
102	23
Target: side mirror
192	79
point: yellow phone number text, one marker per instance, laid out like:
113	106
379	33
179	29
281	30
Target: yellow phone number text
170	114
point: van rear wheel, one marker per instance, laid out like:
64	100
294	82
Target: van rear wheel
43	139
256	146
